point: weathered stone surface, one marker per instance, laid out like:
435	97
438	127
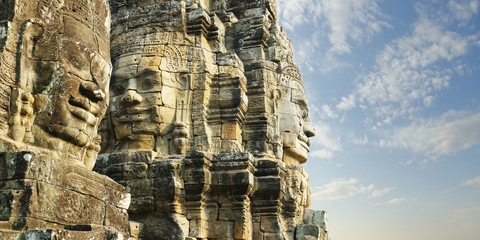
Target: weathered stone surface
318	218
207	123
59	92
310	232
211	88
54	78
39	191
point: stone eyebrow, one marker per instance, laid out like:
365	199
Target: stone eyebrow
299	97
146	72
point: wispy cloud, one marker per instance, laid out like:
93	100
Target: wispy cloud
346	103
327	113
396	201
463	9
340	189
409	72
468	183
361	141
322	153
325	143
469	215
339	22
346	188
348	20
472	182
406	70
435	138
380	192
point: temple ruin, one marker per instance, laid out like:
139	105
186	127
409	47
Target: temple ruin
152	119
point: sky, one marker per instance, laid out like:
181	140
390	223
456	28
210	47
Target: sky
394	93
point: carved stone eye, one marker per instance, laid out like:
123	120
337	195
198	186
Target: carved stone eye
117	89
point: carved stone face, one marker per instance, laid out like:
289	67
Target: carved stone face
77	100
294	123
62	76
136	105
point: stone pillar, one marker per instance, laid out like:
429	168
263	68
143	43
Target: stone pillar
228	103
232	187
197	181
266	201
296	199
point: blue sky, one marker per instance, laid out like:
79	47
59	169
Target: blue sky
394	92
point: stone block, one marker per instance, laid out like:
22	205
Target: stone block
270	224
142	204
231	131
316	218
135	229
221	229
198	228
165	226
308	231
136	170
140	187
116	218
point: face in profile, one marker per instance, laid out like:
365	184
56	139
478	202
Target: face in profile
75	102
294	123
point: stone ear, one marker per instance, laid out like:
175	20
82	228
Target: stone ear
21	99
37	51
32	32
38	41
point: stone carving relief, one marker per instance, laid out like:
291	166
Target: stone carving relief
151	96
206	117
294	123
63	72
54	76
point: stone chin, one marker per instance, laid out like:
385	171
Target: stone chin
295	151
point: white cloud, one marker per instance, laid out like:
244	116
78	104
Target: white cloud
347	103
361	141
328	113
339	22
407	71
472	182
346	188
339	189
428	100
434	138
396	201
297	12
463	9
351	20
380	192
322	153
325	143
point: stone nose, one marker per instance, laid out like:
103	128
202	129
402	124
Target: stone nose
308	129
131	97
92	91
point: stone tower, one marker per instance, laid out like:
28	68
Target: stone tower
208	121
196	107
